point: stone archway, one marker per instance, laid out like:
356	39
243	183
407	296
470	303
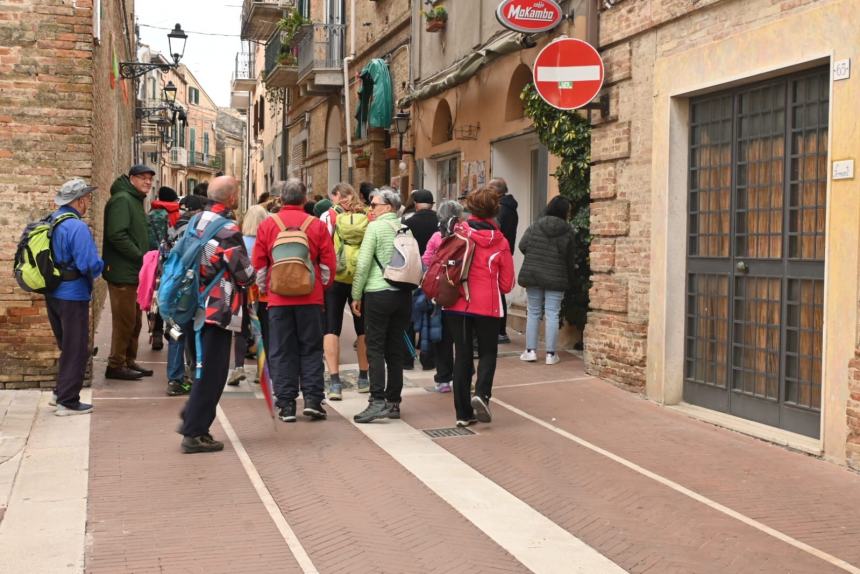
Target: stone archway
443	124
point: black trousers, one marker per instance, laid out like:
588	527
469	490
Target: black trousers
503	322
387	316
443	352
296	352
70	322
462	328
199	411
263	316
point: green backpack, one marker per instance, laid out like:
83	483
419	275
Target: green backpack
348	235
157	228
35	268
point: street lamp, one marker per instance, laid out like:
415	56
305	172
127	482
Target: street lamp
176	37
401	126
180	37
169	94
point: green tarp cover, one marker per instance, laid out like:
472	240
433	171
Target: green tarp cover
375	98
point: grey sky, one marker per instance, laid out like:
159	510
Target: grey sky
210	58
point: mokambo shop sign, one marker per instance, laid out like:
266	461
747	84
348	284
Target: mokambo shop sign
529	16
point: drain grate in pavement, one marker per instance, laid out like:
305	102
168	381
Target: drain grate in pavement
448	432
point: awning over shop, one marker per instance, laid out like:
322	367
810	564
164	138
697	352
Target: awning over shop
502	44
375	98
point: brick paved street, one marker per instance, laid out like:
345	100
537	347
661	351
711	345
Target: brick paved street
591	478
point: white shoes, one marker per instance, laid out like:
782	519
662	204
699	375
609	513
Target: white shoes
552	358
235	376
529	356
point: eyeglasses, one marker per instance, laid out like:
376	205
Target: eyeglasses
374	204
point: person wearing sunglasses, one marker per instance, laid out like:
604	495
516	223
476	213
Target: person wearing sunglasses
387	310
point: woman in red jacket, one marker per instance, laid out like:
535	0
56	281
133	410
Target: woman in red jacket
491	274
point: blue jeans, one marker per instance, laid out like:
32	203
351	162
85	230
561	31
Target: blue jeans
176	353
540	301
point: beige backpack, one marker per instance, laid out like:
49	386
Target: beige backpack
292	273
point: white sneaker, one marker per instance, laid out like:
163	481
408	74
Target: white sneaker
552	358
53	400
236	375
529	356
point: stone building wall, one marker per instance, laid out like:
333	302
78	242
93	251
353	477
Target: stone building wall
59	119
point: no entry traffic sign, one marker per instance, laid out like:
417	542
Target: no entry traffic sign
568	73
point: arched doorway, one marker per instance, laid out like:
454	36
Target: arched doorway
443	125
513	105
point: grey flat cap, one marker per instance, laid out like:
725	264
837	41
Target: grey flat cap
72	190
140	169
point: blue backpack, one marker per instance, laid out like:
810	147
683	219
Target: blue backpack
179	294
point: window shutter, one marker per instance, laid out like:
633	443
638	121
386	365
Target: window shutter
192	142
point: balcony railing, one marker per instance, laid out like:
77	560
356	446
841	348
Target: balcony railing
320	46
204	160
244	67
179	156
281	69
260	17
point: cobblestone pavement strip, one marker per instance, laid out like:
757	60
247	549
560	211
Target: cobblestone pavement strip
636	522
354	508
806	498
153	509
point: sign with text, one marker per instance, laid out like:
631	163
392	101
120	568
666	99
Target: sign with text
568	73
529	16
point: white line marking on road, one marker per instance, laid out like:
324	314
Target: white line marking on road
838	562
569	74
266	497
532	538
542	383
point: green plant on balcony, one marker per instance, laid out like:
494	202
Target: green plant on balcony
436	18
362	159
290	26
215	163
286	56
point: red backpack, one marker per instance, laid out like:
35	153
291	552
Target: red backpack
447	277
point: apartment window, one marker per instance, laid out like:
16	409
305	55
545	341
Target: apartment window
193	142
205	144
193	96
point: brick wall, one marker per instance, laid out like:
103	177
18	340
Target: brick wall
60	120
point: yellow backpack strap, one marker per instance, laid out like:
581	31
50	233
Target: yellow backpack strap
306	223
280	222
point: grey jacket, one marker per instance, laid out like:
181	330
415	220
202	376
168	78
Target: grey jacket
547	245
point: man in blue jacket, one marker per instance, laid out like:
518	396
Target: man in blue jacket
69	304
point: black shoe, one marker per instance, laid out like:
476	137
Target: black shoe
314	410
376	409
157	341
143	372
176	388
504	339
204	443
482	409
409	367
394	410
123	374
288	412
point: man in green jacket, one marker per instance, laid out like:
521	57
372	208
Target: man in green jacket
126	239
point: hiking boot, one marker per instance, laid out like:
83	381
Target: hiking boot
314	410
335	392
79	409
482	409
157	341
122	374
376	409
552	358
362	385
394	410
176	388
143	372
528	356
443	387
204	443
236	376
288	411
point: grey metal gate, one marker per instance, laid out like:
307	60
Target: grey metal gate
755	257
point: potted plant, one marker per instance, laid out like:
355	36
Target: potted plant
436	18
362	159
391	153
290	25
286	57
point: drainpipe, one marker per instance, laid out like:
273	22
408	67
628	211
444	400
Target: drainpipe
346	108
